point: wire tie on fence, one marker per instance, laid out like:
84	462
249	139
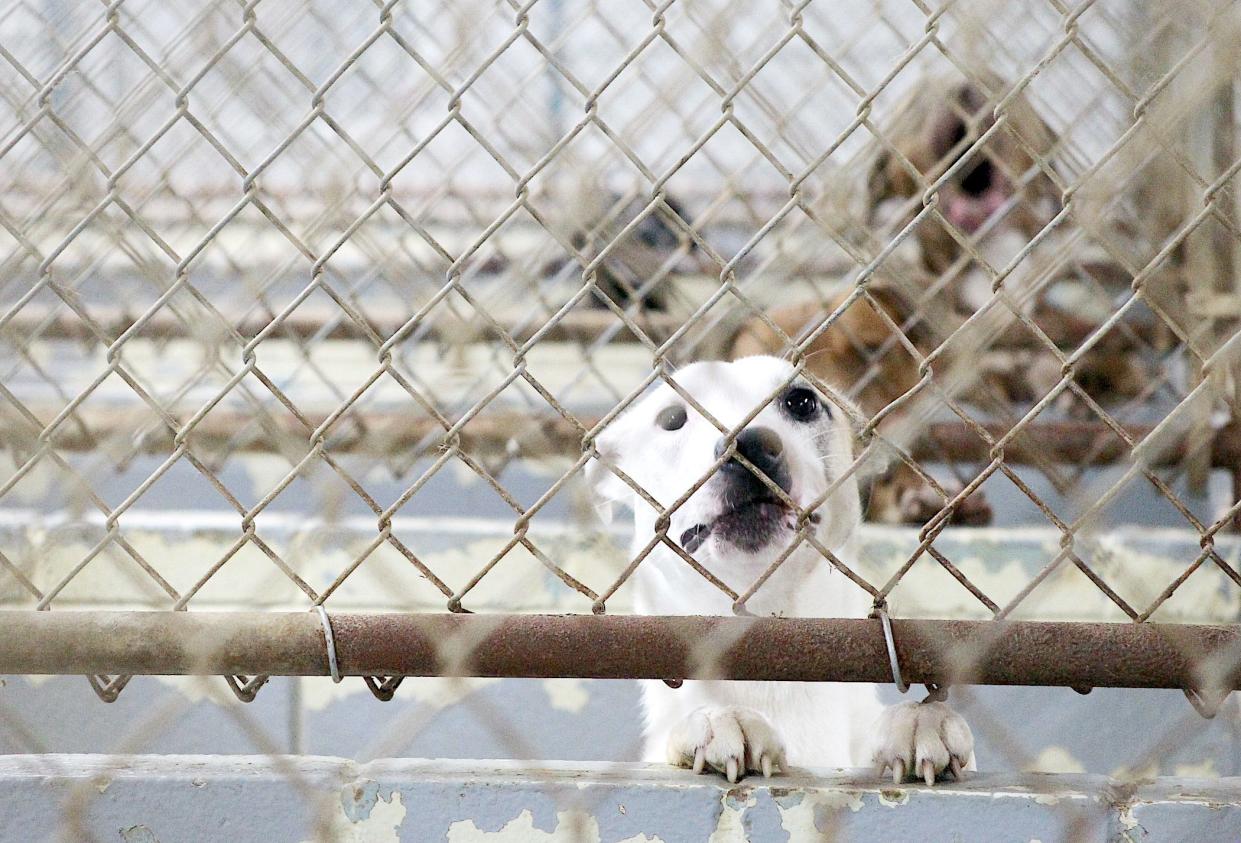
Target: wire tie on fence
881	611
330	640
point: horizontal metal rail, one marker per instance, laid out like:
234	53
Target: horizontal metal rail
1077	655
325	323
375	431
319	323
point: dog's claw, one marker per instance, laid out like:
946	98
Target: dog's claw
731	741
920	741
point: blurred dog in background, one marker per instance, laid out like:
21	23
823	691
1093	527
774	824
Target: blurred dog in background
638	261
995	194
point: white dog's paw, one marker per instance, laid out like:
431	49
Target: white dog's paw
731	740
923	740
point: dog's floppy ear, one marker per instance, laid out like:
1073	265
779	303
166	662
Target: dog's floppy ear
605	488
845	503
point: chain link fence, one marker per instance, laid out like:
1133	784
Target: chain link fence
321	310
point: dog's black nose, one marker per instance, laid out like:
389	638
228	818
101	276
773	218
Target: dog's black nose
762	448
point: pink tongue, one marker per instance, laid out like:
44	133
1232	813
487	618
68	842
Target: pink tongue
965	213
968	213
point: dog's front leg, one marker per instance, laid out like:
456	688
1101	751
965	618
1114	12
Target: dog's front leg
729	739
923	740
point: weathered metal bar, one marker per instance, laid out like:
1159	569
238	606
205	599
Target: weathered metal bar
532	436
583	325
623	646
319	323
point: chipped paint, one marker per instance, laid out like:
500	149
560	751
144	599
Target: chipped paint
465	802
567	694
358	799
810	815
1056	759
1000	561
1205	769
320	692
368	814
730	826
195	689
571	827
893	797
447	691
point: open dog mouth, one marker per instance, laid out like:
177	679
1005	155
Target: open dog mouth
749	525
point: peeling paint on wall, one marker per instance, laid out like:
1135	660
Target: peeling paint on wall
368	814
1057	759
568	695
810	816
138	834
1137	563
571	827
893	797
730	826
433	801
1206	769
319	692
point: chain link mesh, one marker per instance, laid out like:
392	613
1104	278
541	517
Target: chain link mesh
317	305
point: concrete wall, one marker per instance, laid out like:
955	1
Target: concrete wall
145	799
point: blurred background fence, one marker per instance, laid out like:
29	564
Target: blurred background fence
314	304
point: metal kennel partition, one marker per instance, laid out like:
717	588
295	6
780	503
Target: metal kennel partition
311	315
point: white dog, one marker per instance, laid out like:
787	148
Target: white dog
735	525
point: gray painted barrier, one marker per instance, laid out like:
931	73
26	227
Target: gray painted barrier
143	799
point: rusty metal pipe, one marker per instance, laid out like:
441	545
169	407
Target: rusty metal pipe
52	322
384	432
623	646
58	323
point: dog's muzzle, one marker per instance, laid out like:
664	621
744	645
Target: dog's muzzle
752	511
762	448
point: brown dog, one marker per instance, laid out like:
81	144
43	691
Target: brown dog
996	197
861	349
1000	184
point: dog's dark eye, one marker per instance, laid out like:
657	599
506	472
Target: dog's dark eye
671	418
801	404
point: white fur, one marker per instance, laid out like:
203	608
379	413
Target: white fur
734	727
